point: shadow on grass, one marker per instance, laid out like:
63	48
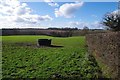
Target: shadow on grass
56	46
51	46
38	46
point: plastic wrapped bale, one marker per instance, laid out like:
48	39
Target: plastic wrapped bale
44	42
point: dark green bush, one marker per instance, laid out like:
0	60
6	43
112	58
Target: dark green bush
112	21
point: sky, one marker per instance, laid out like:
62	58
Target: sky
47	13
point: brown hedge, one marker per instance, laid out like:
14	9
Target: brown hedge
106	49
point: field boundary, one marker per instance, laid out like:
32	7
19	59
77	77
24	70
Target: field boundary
105	47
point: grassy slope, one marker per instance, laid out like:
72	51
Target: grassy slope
70	60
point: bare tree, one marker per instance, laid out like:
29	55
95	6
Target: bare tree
85	30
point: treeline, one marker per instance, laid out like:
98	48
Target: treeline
49	32
56	32
63	29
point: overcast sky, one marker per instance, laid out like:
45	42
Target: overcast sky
30	14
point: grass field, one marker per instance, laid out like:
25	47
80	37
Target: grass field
21	58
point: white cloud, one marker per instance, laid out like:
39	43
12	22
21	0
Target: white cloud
95	16
77	24
116	12
22	10
67	10
51	3
81	25
28	18
13	12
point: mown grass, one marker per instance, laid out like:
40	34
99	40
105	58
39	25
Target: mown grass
71	60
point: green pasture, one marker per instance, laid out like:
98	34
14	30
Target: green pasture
20	60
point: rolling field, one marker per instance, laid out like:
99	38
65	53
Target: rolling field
21	58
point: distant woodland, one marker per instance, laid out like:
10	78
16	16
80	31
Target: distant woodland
56	32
